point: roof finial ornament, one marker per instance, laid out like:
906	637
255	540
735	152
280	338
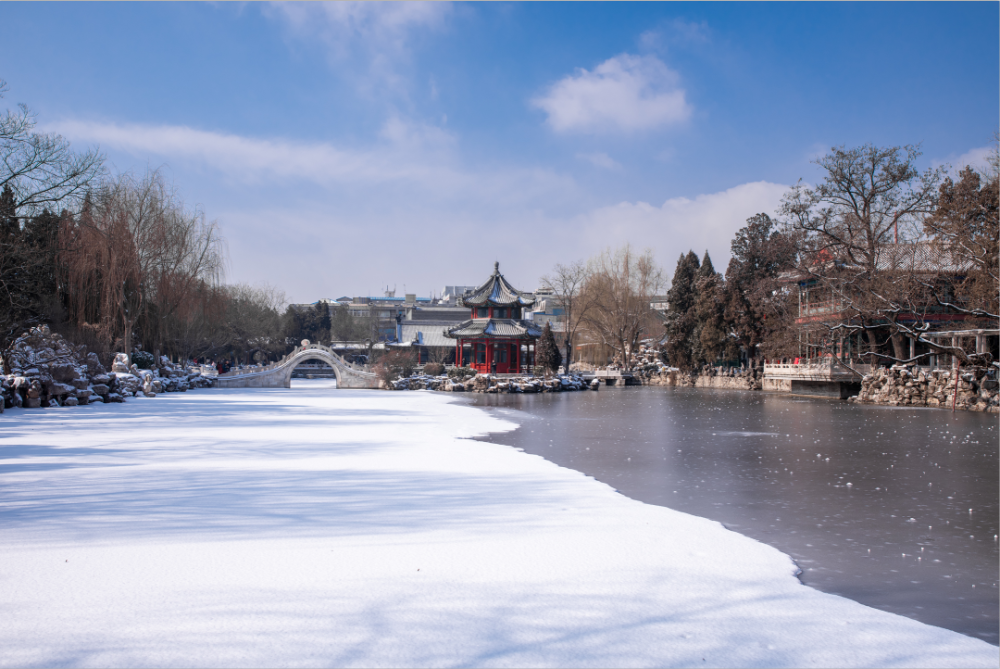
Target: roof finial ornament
496	266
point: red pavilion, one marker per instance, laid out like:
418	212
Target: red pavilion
496	340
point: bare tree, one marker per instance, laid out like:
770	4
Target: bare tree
253	319
41	169
617	293
567	280
199	326
857	232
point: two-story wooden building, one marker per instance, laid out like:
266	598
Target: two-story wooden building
496	339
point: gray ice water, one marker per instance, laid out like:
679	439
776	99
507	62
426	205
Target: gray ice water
892	507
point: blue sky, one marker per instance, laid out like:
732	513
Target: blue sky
344	147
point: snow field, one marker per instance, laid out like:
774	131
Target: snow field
319	527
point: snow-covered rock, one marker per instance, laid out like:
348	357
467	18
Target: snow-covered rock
48	371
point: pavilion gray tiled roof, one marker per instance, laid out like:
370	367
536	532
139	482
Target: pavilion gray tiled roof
494	328
496	292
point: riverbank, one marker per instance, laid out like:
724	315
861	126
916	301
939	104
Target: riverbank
492	384
352	528
902	385
47	371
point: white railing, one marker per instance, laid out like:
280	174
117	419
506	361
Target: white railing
823	370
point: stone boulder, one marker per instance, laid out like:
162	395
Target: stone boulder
121	364
64	372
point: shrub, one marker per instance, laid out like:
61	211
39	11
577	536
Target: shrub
433	369
143	359
461	373
395	364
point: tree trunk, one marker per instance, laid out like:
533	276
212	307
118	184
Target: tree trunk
899	347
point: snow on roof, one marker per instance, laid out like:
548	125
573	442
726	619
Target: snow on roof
496	292
494	328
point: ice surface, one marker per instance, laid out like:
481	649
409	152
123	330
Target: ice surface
320	527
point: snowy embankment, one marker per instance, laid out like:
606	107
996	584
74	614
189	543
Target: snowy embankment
308	527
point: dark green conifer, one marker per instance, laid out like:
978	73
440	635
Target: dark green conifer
680	321
547	353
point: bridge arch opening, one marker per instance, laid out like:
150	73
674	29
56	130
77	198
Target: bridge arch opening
311	356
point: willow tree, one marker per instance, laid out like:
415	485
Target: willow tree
617	292
134	257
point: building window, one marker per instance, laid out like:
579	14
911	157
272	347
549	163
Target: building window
480	354
500	313
483	312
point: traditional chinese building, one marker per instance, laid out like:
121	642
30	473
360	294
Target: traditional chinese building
495	339
826	304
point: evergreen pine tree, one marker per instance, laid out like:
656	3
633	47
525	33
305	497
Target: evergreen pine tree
680	321
711	329
321	322
708	337
343	326
754	306
547	354
706	270
8	214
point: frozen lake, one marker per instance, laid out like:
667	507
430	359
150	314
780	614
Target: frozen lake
313	526
892	507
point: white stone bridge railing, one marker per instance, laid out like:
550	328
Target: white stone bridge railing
279	374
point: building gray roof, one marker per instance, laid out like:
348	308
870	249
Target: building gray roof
442	314
425	334
496	292
926	257
494	328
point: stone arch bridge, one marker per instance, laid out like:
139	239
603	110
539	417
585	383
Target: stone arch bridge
279	374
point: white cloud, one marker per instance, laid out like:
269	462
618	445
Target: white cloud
623	94
376	32
675	33
524	249
978	159
407	154
707	222
600	159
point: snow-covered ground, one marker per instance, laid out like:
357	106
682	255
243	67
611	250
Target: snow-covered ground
333	527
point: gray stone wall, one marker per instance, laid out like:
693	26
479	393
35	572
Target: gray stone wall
731	379
912	386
